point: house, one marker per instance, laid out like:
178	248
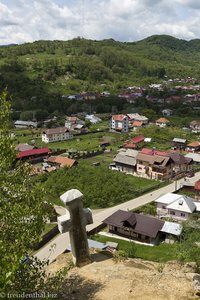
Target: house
179	207
136	125
24	147
134	142
25	124
171	230
166	112
161	165
137	117
154	152
134	226
72	122
60	161
181	163
142	228
56	134
195	126
179	144
193	146
125	161
93	119
154	166
119	123
34	155
162	122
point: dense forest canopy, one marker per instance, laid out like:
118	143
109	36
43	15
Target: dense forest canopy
37	74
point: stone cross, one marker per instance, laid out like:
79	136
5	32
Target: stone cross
75	221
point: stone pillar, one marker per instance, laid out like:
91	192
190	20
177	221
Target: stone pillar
77	231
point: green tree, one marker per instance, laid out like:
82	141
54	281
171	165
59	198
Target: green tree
188	248
22	216
26	115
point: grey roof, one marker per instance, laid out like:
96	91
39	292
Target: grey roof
56	130
180	159
78	126
177	202
124	159
93	119
167	198
194	156
172	228
184	203
129	152
140	224
24	147
25	123
177	140
137	117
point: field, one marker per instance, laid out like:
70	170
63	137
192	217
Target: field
84	142
101	187
160	253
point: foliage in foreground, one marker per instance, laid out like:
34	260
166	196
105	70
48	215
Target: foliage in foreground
22	215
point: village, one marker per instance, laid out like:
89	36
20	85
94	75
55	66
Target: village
135	173
153	154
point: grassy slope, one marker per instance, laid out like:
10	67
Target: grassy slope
160	253
88	64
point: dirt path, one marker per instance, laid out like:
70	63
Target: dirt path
133	279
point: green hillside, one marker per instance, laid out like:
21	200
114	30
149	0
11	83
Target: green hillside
38	73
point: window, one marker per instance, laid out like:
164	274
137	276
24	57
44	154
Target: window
163	207
172	213
182	215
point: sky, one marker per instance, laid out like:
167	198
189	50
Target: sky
123	20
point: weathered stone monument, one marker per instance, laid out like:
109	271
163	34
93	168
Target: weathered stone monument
74	221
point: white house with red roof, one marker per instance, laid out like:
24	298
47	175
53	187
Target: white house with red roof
162	122
119	123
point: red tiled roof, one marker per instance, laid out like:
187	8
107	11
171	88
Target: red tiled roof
137	139
197	185
72	119
154	152
63	161
194	144
118	117
162	153
33	152
147	151
137	124
129	146
162	120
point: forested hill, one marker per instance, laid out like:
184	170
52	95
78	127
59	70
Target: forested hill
38	73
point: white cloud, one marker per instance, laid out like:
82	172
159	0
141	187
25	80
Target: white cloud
127	20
